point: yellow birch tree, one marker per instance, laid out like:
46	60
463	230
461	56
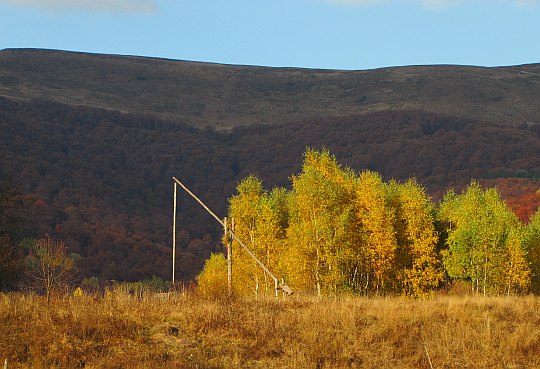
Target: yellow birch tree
259	220
321	216
418	268
376	235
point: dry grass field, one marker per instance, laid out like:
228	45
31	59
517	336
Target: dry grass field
185	331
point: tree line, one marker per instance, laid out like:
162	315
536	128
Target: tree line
337	231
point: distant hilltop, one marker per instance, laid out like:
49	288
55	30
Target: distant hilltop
225	96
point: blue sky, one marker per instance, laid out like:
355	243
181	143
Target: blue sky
329	34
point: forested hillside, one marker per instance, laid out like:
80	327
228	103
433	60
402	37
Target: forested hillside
101	179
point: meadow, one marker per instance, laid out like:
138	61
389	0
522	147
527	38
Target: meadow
182	330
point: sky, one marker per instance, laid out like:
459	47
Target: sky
325	34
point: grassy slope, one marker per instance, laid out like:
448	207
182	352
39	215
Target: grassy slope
225	96
119	331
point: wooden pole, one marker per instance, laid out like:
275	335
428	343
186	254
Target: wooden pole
229	260
285	288
174	236
229	255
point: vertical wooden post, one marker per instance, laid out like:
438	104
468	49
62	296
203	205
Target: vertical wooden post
229	259
174	236
228	245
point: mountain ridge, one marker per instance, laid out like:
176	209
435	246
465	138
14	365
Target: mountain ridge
224	96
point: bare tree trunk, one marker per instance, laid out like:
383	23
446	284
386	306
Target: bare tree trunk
367	284
485	274
317	276
257	287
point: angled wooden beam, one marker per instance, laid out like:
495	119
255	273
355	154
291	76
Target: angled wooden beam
278	284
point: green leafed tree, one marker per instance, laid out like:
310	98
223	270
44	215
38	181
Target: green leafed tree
483	234
532	246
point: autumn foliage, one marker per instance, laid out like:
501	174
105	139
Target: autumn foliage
339	232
